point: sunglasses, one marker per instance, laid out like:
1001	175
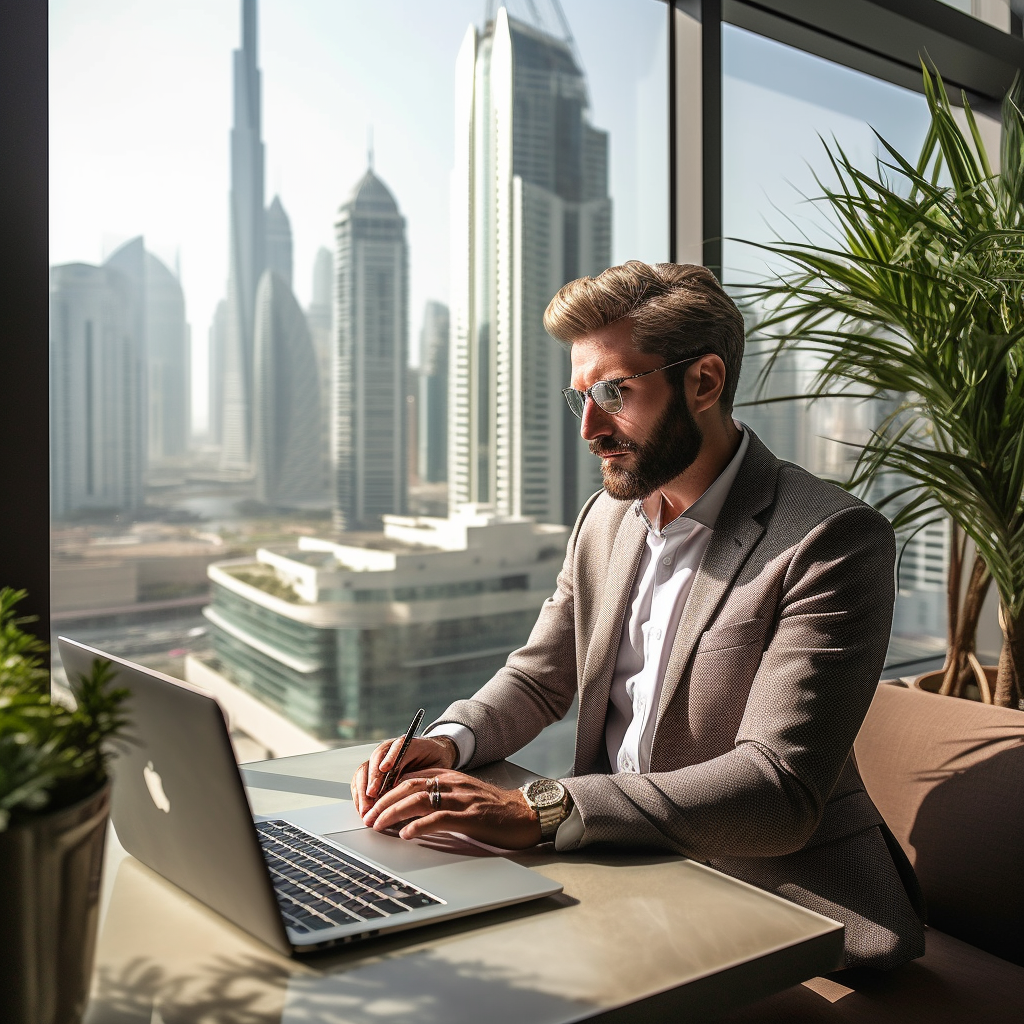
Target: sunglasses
607	395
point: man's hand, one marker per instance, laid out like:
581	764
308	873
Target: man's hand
498	817
423	752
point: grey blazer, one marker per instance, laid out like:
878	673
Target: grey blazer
776	659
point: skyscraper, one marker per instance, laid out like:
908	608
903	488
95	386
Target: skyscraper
320	312
371	324
286	399
246	258
218	341
432	410
159	324
98	450
530	211
168	367
320	317
278	236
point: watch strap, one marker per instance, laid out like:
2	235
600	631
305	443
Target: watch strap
552	816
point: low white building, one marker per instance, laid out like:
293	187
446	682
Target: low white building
347	639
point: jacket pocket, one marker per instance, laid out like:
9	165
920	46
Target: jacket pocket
733	634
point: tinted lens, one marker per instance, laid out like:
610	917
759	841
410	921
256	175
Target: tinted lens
607	396
576	399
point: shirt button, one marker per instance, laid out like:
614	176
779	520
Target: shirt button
655	634
666	561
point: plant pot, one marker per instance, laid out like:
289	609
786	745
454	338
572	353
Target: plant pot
50	870
932	681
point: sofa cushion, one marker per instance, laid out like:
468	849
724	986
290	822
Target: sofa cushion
952	983
947	776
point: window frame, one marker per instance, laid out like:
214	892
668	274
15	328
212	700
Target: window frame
880	37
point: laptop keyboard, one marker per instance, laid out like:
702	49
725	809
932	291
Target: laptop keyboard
319	886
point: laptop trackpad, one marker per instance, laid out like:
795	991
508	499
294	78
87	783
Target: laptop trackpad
399	855
337	816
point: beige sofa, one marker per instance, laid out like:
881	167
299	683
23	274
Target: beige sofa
948	777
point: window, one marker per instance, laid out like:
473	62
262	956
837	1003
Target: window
285	283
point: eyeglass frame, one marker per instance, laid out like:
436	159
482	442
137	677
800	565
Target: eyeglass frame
615	382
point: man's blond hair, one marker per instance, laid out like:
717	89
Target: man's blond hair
676	310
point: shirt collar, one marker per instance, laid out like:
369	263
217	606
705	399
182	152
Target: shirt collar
706	508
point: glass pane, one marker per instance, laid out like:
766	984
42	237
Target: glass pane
995	12
300	256
778	105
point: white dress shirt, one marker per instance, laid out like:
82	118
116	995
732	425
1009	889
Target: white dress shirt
663	583
667	567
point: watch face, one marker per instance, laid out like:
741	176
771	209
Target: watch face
546	792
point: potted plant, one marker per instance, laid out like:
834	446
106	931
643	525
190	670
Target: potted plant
54	802
918	300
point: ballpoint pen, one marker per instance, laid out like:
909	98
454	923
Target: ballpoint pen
392	775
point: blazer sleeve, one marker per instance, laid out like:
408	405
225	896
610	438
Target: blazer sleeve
817	676
537	684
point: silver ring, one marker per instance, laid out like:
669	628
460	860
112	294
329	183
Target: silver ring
434	789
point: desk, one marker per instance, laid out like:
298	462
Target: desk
631	938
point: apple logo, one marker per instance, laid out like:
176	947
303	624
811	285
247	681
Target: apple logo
155	786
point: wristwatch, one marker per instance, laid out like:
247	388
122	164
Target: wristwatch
551	801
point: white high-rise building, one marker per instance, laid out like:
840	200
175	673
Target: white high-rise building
530	211
96	365
343	636
371	343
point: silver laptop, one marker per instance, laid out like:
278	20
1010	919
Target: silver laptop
298	881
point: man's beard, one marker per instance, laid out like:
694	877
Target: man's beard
673	446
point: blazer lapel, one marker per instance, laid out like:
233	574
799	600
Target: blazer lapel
736	532
603	649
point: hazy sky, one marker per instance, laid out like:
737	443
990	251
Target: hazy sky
141	107
778	105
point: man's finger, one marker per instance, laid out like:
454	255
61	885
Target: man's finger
380	763
359	787
407	800
436	821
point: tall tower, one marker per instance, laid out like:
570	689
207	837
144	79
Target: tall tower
168	367
246	260
218	341
278	235
432	406
371	325
319	316
162	332
95	389
286	399
530	211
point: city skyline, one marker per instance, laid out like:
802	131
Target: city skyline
326	98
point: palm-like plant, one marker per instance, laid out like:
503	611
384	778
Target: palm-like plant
919	300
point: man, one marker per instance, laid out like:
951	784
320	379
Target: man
723	617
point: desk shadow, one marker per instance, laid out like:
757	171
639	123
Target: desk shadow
144	991
419	988
164	958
